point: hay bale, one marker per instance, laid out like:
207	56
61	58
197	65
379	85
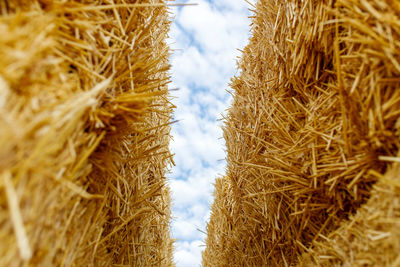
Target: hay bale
84	127
314	108
371	237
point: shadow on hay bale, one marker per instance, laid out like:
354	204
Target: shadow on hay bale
315	108
84	127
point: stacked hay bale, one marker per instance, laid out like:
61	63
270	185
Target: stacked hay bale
313	126
371	237
84	133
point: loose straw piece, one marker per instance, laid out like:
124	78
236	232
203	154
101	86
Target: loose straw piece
391	159
16	218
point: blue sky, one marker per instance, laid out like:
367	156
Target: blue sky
206	38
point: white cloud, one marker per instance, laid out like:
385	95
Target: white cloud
206	38
188	254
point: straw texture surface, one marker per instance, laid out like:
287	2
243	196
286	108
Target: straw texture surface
84	133
314	124
371	237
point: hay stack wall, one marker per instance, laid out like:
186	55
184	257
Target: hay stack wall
311	137
84	133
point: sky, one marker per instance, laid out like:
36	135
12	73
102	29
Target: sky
206	39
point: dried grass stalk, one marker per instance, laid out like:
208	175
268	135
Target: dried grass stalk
315	108
84	127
